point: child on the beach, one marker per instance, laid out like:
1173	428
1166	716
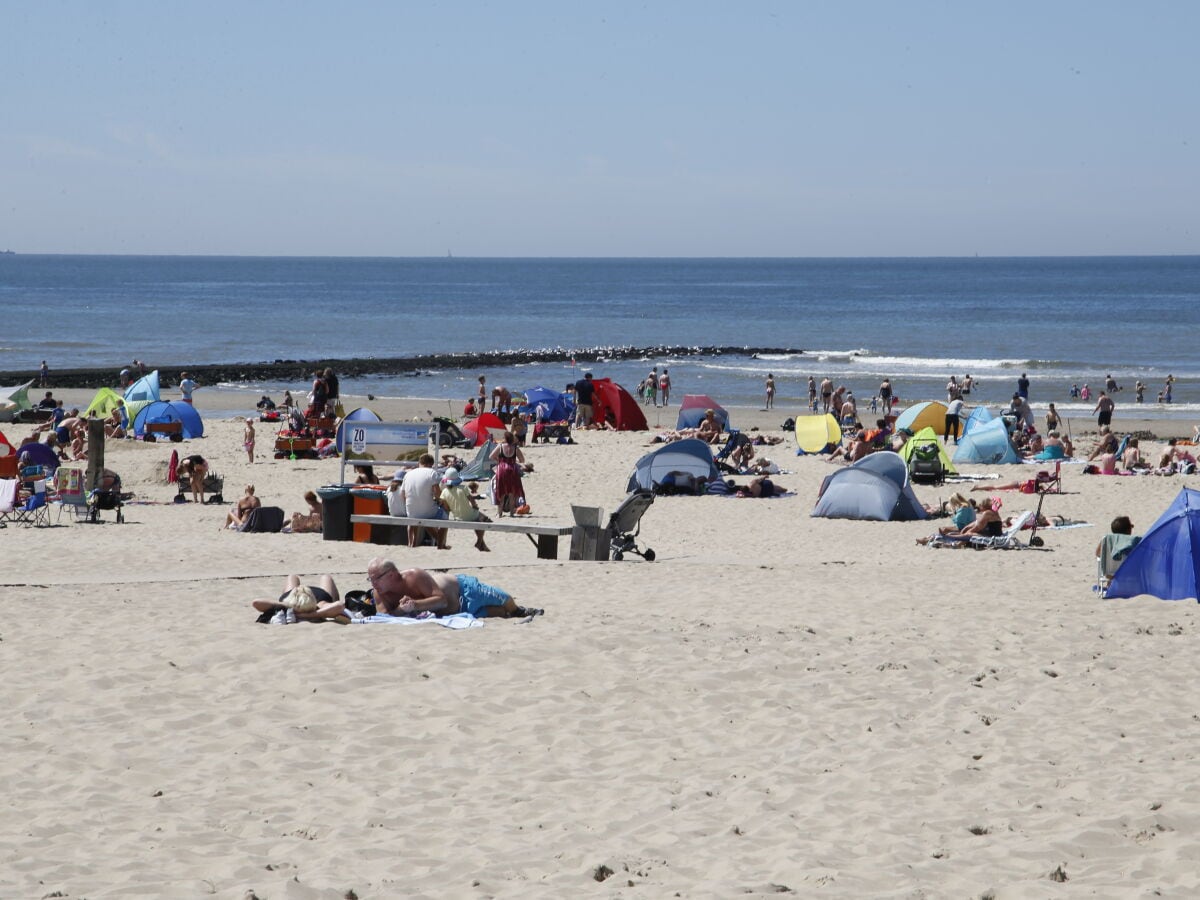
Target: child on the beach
248	440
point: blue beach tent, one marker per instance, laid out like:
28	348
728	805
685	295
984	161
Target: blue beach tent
1166	564
170	411
980	415
145	388
693	407
986	445
690	456
875	488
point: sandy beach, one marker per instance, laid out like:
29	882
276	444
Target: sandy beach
776	704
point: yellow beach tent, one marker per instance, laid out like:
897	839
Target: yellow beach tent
817	434
930	414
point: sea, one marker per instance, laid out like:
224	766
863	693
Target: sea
1063	321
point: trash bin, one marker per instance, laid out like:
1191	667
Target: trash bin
335	512
371	500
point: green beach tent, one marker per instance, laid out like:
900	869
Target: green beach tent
103	403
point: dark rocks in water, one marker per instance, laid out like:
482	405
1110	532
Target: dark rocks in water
290	370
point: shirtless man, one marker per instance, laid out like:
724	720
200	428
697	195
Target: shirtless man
412	591
709	429
826	394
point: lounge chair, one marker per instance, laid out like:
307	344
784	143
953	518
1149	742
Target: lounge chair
722	458
1008	539
1113	550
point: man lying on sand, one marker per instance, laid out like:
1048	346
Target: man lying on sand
412	591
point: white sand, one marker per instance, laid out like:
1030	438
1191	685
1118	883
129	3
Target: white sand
776	702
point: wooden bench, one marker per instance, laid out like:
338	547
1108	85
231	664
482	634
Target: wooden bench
544	537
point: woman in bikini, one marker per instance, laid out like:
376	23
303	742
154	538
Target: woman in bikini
236	516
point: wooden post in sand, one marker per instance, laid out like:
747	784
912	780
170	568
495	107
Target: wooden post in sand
95	445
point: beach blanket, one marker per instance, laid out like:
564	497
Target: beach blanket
459	620
1064	526
955	479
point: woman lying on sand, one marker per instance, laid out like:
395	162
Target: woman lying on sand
303	603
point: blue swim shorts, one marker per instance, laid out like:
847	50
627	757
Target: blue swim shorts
474	595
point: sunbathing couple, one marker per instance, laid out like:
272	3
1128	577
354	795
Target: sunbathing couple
411	592
970	520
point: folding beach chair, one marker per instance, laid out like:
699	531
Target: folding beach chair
625	524
34	512
9	488
1007	540
68	492
1113	550
735	442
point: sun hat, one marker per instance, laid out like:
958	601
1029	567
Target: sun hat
300	598
451	477
398	475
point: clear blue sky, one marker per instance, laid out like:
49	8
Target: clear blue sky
600	129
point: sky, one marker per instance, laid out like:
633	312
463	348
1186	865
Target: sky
543	129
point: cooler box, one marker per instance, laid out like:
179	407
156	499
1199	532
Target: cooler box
335	512
369	500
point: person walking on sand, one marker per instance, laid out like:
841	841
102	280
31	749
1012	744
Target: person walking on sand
1104	406
507	488
248	440
770	391
664	387
44	375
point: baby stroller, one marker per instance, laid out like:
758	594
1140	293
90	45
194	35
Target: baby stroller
106	495
925	465
625	523
101	500
450	435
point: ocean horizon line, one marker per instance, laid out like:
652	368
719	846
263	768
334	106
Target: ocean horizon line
58	254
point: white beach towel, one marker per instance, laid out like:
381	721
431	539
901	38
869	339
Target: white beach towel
459	620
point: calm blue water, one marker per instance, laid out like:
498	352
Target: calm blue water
916	321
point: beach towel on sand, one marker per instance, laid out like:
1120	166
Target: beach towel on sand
458	620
